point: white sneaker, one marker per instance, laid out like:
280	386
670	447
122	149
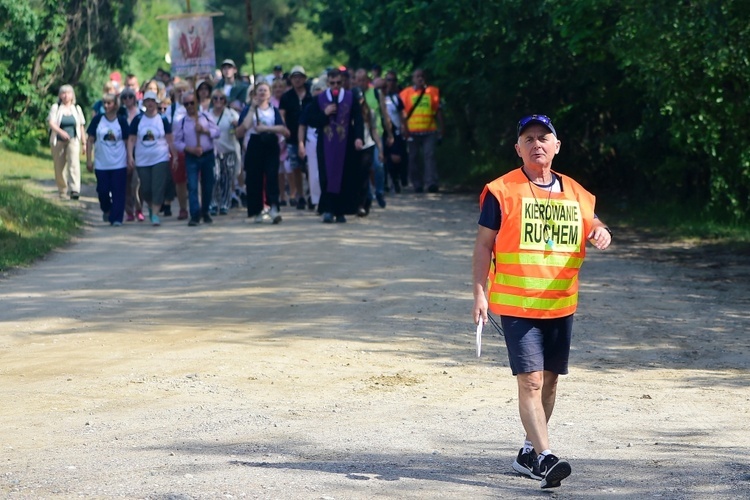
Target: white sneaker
274	215
259	218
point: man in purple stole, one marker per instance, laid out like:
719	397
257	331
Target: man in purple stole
338	118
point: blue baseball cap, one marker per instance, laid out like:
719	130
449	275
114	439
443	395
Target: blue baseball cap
543	120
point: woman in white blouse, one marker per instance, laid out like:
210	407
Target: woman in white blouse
227	152
68	140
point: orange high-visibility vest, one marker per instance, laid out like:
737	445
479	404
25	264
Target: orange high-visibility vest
422	120
529	277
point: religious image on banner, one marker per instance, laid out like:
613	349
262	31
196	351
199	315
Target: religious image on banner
191	45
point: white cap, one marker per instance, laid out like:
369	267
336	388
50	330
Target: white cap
298	70
150	94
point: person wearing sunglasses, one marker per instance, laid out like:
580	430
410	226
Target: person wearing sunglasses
227	152
529	248
337	116
395	150
194	135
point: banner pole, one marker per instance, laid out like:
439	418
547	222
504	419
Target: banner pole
249	8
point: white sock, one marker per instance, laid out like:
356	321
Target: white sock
527	446
543	454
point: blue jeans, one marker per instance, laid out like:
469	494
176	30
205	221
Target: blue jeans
200	168
377	167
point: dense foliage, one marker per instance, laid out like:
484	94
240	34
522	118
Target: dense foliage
649	97
46	43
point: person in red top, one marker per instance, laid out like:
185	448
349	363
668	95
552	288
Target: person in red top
531	242
422	128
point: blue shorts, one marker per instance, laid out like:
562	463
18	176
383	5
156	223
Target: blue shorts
538	344
292	158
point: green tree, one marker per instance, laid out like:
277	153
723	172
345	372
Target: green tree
149	36
273	20
47	43
649	97
692	60
303	47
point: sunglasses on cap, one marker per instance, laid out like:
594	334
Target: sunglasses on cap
542	119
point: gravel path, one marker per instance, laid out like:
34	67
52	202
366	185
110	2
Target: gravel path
312	361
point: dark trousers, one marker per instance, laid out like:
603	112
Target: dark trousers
398	172
200	169
111	186
261	171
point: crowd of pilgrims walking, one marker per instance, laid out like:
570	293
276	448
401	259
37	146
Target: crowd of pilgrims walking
335	144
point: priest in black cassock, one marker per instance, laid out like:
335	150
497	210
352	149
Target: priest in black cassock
338	117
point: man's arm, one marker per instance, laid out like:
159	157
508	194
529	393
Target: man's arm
441	123
89	150
404	114
483	248
131	148
301	135
178	138
600	235
387	125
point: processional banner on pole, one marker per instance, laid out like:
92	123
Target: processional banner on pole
191	45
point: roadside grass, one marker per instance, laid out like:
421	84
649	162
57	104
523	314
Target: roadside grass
679	220
31	224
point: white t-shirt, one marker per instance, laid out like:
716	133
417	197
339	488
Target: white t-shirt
151	144
267	117
227	141
109	148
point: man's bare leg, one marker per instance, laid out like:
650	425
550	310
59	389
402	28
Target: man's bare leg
532	409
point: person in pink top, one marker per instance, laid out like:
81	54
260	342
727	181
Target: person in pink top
194	134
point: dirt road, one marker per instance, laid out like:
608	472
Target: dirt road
312	361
